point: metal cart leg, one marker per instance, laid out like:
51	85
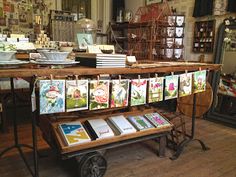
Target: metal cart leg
92	165
185	142
162	146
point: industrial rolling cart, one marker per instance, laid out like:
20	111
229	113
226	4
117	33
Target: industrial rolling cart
90	159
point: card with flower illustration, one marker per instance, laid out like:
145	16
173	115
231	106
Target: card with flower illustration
138	92
99	94
119	93
76	95
199	79
51	96
155	90
185	84
171	87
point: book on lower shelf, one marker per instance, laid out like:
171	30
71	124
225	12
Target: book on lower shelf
140	122
122	124
99	128
157	120
74	133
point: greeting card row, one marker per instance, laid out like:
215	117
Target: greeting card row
73	95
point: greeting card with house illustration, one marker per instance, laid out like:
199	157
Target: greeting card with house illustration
76	95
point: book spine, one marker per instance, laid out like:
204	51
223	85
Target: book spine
90	130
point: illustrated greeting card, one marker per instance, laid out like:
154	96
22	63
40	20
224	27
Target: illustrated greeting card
199	81
76	95
51	96
155	91
138	91
185	84
119	93
171	87
99	94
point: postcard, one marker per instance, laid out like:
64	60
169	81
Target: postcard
155	90
185	84
119	93
138	92
99	94
199	80
84	40
171	87
51	96
76	95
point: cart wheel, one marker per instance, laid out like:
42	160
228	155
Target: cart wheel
92	165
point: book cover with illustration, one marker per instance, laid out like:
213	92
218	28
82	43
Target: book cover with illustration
140	122
99	128
185	84
155	90
171	87
119	93
99	94
157	119
138	92
122	124
76	95
74	133
51	96
199	79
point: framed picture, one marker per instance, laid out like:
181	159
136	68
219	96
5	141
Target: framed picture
84	40
148	2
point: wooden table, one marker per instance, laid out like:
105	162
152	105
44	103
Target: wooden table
32	72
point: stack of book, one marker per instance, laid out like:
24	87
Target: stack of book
102	60
122	124
157	120
73	133
99	129
140	123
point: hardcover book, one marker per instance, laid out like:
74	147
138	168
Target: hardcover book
99	94
171	87
155	91
76	95
119	93
157	120
140	122
99	128
51	96
199	80
138	92
74	133
185	84
122	124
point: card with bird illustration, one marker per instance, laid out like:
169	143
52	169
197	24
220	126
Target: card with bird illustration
119	93
138	92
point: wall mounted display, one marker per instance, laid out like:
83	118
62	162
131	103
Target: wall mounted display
203	39
199	79
138	92
119	93
155	90
171	87
51	96
99	94
76	95
185	84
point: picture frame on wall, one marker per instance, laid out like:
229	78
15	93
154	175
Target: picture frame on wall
148	2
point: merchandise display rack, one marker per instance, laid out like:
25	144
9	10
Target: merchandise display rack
90	151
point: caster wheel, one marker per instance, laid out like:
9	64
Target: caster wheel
92	165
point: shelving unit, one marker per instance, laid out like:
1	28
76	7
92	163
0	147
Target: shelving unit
204	34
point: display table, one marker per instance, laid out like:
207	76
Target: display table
32	73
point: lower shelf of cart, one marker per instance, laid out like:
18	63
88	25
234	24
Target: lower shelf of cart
64	149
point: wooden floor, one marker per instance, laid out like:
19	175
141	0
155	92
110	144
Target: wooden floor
139	160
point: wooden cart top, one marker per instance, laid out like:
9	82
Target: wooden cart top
158	67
